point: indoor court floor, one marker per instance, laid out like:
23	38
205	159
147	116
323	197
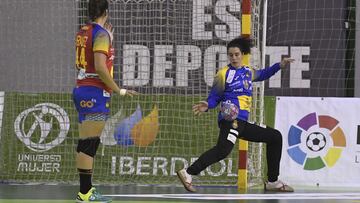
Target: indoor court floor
41	193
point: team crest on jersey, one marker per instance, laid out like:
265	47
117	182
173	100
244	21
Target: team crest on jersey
231	75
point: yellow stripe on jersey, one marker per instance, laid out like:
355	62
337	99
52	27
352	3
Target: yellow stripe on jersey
222	74
221	77
252	74
245	102
101	42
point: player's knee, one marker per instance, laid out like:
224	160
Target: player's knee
223	152
277	137
88	146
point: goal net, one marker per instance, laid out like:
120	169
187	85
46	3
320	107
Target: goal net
169	51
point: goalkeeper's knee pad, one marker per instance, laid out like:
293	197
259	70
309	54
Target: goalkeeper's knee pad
88	146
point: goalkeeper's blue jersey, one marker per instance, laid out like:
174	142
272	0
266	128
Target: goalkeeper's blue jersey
235	85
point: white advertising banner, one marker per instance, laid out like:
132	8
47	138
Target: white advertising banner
2	99
321	140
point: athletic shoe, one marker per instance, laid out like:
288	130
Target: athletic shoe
186	180
277	186
92	196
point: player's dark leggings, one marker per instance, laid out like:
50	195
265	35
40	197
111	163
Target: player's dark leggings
246	131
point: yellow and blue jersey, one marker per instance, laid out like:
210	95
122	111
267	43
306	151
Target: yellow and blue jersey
235	85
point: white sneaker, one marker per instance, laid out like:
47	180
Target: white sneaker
186	180
277	186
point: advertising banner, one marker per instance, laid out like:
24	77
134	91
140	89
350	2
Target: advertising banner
320	140
142	141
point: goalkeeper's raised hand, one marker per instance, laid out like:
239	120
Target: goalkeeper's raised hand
285	61
200	107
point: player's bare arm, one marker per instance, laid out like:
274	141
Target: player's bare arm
199	108
101	70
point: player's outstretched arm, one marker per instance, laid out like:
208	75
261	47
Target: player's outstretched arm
102	71
200	107
266	73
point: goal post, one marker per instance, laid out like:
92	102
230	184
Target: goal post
244	145
251	168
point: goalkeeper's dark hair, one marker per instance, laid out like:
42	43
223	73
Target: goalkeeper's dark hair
97	8
243	43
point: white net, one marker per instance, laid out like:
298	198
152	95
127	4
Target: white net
319	35
169	50
255	163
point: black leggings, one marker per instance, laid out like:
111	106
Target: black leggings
245	131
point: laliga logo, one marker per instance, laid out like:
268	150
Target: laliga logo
133	130
316	141
32	119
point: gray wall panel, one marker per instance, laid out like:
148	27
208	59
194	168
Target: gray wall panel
36	49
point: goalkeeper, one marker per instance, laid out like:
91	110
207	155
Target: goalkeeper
233	84
94	85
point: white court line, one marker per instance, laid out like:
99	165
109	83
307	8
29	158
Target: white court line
245	196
